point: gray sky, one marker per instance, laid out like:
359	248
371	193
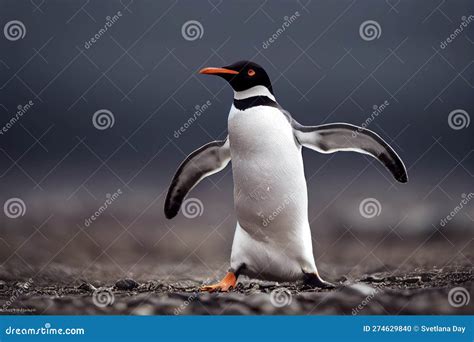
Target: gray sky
143	71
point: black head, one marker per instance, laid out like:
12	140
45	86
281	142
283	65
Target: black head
242	75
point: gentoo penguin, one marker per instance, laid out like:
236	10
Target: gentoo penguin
272	239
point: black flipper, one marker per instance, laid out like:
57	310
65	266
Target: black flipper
336	137
205	161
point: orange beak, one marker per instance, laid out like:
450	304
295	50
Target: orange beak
213	71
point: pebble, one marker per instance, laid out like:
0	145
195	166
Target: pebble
87	287
23	286
126	284
426	277
412	280
374	278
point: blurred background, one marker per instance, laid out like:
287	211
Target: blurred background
107	90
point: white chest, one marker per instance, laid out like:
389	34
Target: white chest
263	130
272	238
267	169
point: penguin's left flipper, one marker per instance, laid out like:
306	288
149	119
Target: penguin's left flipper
205	161
346	137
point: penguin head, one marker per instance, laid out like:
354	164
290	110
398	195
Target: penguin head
242	75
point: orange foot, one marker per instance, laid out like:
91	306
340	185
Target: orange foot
226	284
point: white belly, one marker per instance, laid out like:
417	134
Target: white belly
273	238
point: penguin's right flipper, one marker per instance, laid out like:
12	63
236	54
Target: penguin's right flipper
336	137
205	161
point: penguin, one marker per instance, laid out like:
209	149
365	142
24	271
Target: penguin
272	239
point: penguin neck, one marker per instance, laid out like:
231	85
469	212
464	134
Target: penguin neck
253	92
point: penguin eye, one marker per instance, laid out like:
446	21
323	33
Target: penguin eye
251	72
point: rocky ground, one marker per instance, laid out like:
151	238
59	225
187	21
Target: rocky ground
427	274
422	291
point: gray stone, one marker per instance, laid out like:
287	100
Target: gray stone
86	287
126	284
